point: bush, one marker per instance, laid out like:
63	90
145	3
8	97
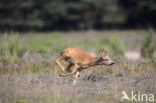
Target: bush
10	46
147	47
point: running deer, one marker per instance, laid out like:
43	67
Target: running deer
81	60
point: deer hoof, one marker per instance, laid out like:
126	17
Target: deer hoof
60	75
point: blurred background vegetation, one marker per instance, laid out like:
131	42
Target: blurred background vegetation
23	15
34	32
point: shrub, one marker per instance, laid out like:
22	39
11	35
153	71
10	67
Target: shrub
147	46
10	48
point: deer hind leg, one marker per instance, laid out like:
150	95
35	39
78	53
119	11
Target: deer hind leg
76	76
68	68
73	71
59	64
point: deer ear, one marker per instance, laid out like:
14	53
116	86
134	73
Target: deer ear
106	51
103	52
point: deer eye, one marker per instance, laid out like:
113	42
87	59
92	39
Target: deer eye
105	59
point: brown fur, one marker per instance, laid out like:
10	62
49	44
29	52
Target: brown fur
79	59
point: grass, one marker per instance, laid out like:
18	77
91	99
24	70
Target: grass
28	73
148	47
53	43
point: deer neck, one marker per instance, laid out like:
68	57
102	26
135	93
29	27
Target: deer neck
94	62
96	58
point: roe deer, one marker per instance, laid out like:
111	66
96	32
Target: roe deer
81	60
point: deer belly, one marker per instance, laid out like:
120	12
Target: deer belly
83	66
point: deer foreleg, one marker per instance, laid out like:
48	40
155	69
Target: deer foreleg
59	64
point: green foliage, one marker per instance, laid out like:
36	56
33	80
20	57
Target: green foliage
148	47
71	14
49	45
139	13
13	47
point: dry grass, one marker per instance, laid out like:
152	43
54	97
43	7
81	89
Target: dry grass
32	77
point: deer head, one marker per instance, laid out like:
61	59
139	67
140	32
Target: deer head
105	59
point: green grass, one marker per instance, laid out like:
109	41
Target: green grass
148	47
15	45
